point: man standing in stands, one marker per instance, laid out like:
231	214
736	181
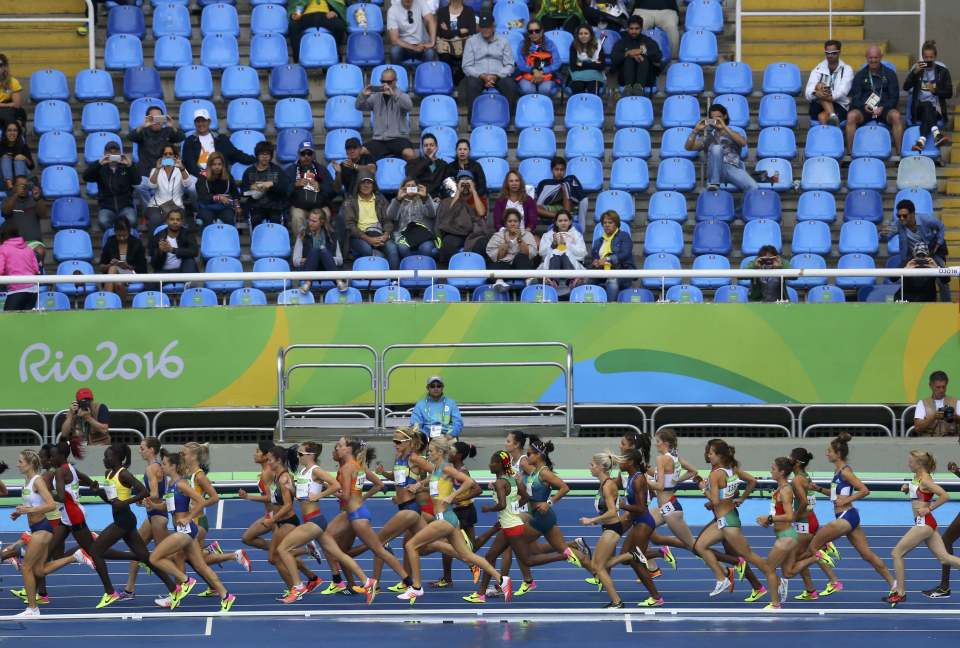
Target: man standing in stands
198	147
412	29
116	179
437	415
637	59
937	415
488	62
828	88
390	111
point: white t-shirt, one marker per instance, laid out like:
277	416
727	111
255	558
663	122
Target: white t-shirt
172	261
206	148
921	412
409	22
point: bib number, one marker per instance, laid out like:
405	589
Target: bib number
667	509
110	490
920	521
171	505
721	523
515	507
303	489
833	492
400	474
802	527
434	488
360	481
183	527
436	431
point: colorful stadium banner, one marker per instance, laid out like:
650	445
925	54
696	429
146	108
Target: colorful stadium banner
636	353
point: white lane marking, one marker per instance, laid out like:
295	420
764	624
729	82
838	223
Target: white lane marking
219	514
209	627
629	623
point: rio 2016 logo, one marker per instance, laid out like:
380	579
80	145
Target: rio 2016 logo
35	364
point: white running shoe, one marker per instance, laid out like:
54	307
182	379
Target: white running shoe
243	560
783	589
410	594
721	587
83	558
29	612
163	601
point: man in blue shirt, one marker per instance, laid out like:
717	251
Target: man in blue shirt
437	415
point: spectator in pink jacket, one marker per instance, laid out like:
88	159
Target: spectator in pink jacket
514	196
17	258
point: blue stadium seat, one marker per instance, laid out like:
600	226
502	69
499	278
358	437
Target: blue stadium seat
584	109
583	140
68	213
271	264
219	240
812	237
337	296
628	174
534	110
344	79
733	77
633	112
589	170
440	110
510	14
859	236
494	170
72	245
93	85
921	198
489	294
491	141
403	79
492	108
711	237
71	268
631	142
239	81
710	262
390	174
825	295
57	147
673	141
141	82
49	84
93	145
288	81
58	180
191	106
341	112
433	77
684	78
171	19
246	114
807	261
269	240
198	298
660	261
588	294
220	18
619	201
370	264
122	51
820	173
126	19
737	107
293	297
761	203
392	294
917	172
782	78
247	297
778	110
539	293
680	110
223	264
269	19
667	205
676	174
863	204
698	47
817	205
51	115
101	300
100	116
441	293
760	232
635	296
193	82
777	141
855	261
318	50
535	169
684	294
446	141
656	34
715	205
729	294
468	261
365	49
872	140
773	167
138	110
371	18
910	136
663	236
246	140
823	140
867	173
704	14
268	51
563	40
893	246
172	52
293	113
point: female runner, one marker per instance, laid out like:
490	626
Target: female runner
669	470
37	502
155	526
785	505
608	517
253	536
465	510
942	590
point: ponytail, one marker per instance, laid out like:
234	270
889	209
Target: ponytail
122	452
801	457
465	450
200	452
725	451
153	442
606	460
542	448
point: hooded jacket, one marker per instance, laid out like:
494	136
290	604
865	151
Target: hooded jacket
17	258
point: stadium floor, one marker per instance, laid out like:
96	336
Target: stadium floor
562	611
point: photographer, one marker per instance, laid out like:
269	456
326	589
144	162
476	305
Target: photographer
389	111
920	289
116	179
722	145
913	228
26	207
345	178
937	415
511	248
462	220
929	85
766	289
169	180
87	421
156	131
414	216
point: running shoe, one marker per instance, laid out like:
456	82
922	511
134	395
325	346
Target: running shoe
314	548
773	606
832	588
721	585
313	584
668	556
42	599
443	583
125	595
294	594
227	602
214	548
208	593
475	573
656	573
108	599
614	606
936	592
572	557
651	602
593	580
20	593
807	595
638	556
756	595
833	551
506	586
370	589
525	587
334	588
824	557
164	602
243	560
475	598
919	144
83	558
583	547
283	594
399	587
493	591
29	612
411	595
741	568
783	589
893	598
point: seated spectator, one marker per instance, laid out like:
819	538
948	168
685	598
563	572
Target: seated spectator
116	179
11	96
315	248
412	29
156	131
169	180
664	14
414	217
25	206
390	112
462	220
455	24
828	87
369	228
345	178
15	157
218	196
463	163
937	415
512	247
767	289
561	192
723	146
874	96
122	254
920	289
637	59
513	195
562	248
265	187
429	169
587	67
488	62
559	14
930	86
203	143
914	229
305	14
174	249
17	259
311	187
538	62
613	250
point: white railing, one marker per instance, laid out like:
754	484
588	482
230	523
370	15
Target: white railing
830	13
88	20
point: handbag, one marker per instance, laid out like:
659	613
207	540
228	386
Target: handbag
450	46
416	234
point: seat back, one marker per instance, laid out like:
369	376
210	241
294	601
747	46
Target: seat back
248	296
288	81
584	109
343	79
715	205
782	77
817	205
193	82
491	141
433	77
733	77
635	112
534	110
684	78
761	203
239	81
629	174
668	205
246	114
268	51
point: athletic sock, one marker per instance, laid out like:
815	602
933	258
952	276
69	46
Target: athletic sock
337	579
408	581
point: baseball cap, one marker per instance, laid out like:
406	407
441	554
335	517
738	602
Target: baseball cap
433	379
352	142
203	113
84	393
486	20
306	146
463	173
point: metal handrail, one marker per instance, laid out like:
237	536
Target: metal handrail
725	406
203	410
43	419
858	426
748	426
88	19
40	439
55	429
904	430
893	416
615	426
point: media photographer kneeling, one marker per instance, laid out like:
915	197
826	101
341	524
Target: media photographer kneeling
87	422
767	289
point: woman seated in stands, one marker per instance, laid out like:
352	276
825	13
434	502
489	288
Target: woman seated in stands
512	247
413	217
122	254
612	250
562	248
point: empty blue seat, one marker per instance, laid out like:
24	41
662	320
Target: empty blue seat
446	141
100	116
440	110
93	145
733	77
220	18
820	173
71	268
417	262
921	198
341	112
57	147
684	294
390	174
825	295
663	236
139	108
855	261
219	240
510	14
631	142
93	85
635	296
633	112
370	264
616	200
491	141
715	205
219	52
761	203
563	40
269	19
676	174
247	297
824	140
584	140
872	140
492	108
812	237
370	20
365	49
433	77
917	172
101	300
782	78
126	19
629	174
293	297
780	168
70	213
343	79
667	205
468	261
711	262
191	106
729	294
777	141
737	108
171	19
539	293
49	84
337	296
589	170
778	110
704	14
817	205
807	261
863	204
672	144
760	232
239	81
223	264
535	169
51	115
441	293
711	237
140	82
198	298
867	173
288	81
392	294
72	245
588	294
270	240
271	264
698	47
122	51
293	113
59	180
494	170
910	136
660	261
246	140
246	114
193	82
684	78
584	109
859	236
268	51
151	299
680	110
172	52
318	50
534	110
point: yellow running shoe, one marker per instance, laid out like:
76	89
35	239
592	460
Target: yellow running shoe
756	595
227	602
473	597
336	588
832	588
833	551
651	602
399	588
525	587
668	557
108	599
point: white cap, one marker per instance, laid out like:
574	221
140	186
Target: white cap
203	113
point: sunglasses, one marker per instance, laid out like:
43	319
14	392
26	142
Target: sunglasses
307	153
388	81
398	442
836	53
534	31
435	386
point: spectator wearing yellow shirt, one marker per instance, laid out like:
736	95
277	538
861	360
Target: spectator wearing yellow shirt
11	93
305	14
370	230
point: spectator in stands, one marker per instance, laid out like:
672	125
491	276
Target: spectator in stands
561	192
414	218
913	228
512	247
613	250
663	14
345	179
463	162
930	86
116	179
937	415
122	254
722	145
920	289
305	14
390	112
168	180
874	96
218	195
488	62
462	220
562	248
412	29
266	187
429	169
538	62
26	207
559	14
436	415
173	249
455	24
370	230
11	96
156	131
203	143
637	59
315	248
17	259
513	195
828	87
86	422
587	67
311	187
15	157
766	289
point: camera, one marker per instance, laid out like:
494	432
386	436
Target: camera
159	119
114	158
713	122
376	88
949	414
765	262
411	190
168	162
84	404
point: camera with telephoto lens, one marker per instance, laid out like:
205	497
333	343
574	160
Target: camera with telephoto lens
766	261
84	404
949	414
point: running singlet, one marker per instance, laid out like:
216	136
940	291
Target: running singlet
177	502
202	518
638	518
917	493
114	489
30	496
667	500
161	488
509	516
71	510
729	492
306	486
401	473
537	489
841	487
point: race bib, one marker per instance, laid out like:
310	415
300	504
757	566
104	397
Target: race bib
183	527
400	474
833	492
721	523
171	505
110	490
515	507
667	509
436	431
802	527
773	509
303	488
434	488
360	481
920	521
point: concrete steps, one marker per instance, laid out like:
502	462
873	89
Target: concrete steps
34	46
